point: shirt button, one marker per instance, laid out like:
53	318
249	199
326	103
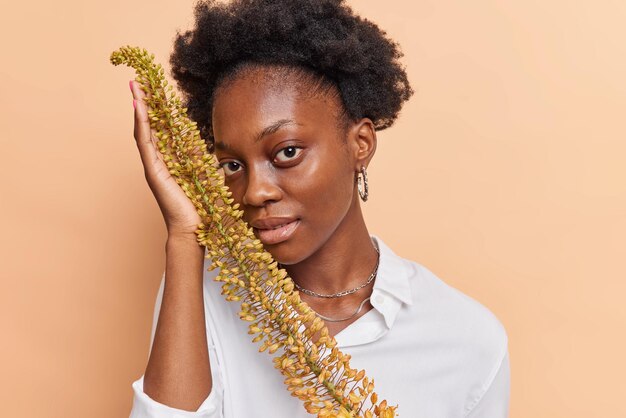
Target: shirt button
379	299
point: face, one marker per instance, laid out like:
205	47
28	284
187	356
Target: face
287	162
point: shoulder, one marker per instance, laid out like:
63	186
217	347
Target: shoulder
469	319
467	331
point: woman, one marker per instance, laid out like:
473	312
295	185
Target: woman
289	95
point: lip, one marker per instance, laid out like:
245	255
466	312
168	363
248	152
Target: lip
268	233
272	222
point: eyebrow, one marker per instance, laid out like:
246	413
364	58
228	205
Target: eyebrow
268	130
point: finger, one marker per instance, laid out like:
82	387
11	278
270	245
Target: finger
141	94
142	130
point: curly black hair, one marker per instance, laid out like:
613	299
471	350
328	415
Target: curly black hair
321	37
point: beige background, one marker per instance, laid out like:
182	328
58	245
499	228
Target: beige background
507	166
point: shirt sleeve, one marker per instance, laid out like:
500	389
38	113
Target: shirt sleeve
146	407
494	403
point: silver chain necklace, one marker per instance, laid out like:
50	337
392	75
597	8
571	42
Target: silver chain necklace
342	293
326	318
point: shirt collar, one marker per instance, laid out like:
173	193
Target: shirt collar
392	286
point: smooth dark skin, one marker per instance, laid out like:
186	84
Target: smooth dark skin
331	249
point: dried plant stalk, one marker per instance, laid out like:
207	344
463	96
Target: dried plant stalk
315	370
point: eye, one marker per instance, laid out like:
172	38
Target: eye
290	153
230	167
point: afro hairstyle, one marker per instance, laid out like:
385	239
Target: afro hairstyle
321	37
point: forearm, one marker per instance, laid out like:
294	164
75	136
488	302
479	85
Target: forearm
178	373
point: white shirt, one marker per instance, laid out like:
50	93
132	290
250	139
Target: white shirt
433	351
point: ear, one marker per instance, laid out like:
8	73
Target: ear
362	139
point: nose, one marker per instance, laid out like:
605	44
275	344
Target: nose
261	188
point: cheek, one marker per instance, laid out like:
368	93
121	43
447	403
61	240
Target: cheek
323	187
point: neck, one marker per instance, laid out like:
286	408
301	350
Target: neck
344	261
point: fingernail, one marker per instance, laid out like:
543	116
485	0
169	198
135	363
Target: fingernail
130	84
134	103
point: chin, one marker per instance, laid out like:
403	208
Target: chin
291	251
285	253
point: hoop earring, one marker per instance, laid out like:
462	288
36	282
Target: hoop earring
365	193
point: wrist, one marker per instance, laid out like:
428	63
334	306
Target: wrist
182	239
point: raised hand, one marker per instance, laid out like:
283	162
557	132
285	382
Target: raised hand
179	213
